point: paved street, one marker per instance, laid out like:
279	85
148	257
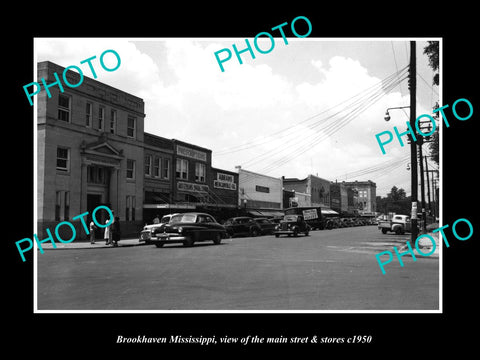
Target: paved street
328	270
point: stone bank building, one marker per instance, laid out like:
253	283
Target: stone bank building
92	150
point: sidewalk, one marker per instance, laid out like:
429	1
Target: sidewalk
425	245
99	244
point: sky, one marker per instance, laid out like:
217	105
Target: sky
312	106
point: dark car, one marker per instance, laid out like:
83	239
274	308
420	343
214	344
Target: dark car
242	226
267	226
292	225
190	228
150	231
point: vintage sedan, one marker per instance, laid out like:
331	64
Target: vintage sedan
190	228
150	231
292	225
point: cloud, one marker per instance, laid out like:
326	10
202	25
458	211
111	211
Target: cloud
187	97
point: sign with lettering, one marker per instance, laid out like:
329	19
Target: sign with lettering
185	186
191	153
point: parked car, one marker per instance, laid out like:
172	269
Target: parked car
398	224
292	225
242	226
267	226
150	231
190	228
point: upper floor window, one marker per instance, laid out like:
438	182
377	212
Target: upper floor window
63	108
88	114
131	126
200	172
182	169
63	158
113	121
101	118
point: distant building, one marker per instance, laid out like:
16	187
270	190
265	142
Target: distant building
363	196
260	195
317	188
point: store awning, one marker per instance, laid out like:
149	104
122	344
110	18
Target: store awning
326	211
266	213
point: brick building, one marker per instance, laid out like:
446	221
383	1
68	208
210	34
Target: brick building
92	150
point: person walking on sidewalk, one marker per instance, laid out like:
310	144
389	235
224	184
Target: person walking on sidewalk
92	228
107	235
116	231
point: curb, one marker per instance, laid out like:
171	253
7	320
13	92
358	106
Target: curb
87	245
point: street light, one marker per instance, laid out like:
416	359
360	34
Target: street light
387	114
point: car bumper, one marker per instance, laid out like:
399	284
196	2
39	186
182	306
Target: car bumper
283	232
169	238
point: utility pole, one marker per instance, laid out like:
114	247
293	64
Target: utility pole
413	144
428	186
422	186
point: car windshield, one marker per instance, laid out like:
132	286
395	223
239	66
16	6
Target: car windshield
290	218
189	218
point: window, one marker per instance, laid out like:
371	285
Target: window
166	169
88	114
200	172
58	204
130	169
131	125
148	165
113	121
64	108
182	169
128	205
101	117
98	175
130	208
63	158
66	209
156	166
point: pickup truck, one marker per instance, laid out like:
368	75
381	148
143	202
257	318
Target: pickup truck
398	224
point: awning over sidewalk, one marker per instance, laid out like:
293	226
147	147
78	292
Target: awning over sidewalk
327	211
266	213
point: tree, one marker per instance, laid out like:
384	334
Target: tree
396	201
432	51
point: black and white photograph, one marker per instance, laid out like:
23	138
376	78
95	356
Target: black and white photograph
253	186
241	181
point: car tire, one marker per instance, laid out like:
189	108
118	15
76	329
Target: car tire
189	242
306	233
295	233
159	245
398	231
277	235
254	232
384	231
217	239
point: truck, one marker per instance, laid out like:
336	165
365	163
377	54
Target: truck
399	224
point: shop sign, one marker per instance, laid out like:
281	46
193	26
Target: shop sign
184	186
191	153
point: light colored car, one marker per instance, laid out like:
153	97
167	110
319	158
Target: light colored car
150	231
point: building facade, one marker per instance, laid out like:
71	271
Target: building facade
260	195
364	196
92	150
89	151
317	188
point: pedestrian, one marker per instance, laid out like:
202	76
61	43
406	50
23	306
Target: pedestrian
116	231
107	235
92	228
156	220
